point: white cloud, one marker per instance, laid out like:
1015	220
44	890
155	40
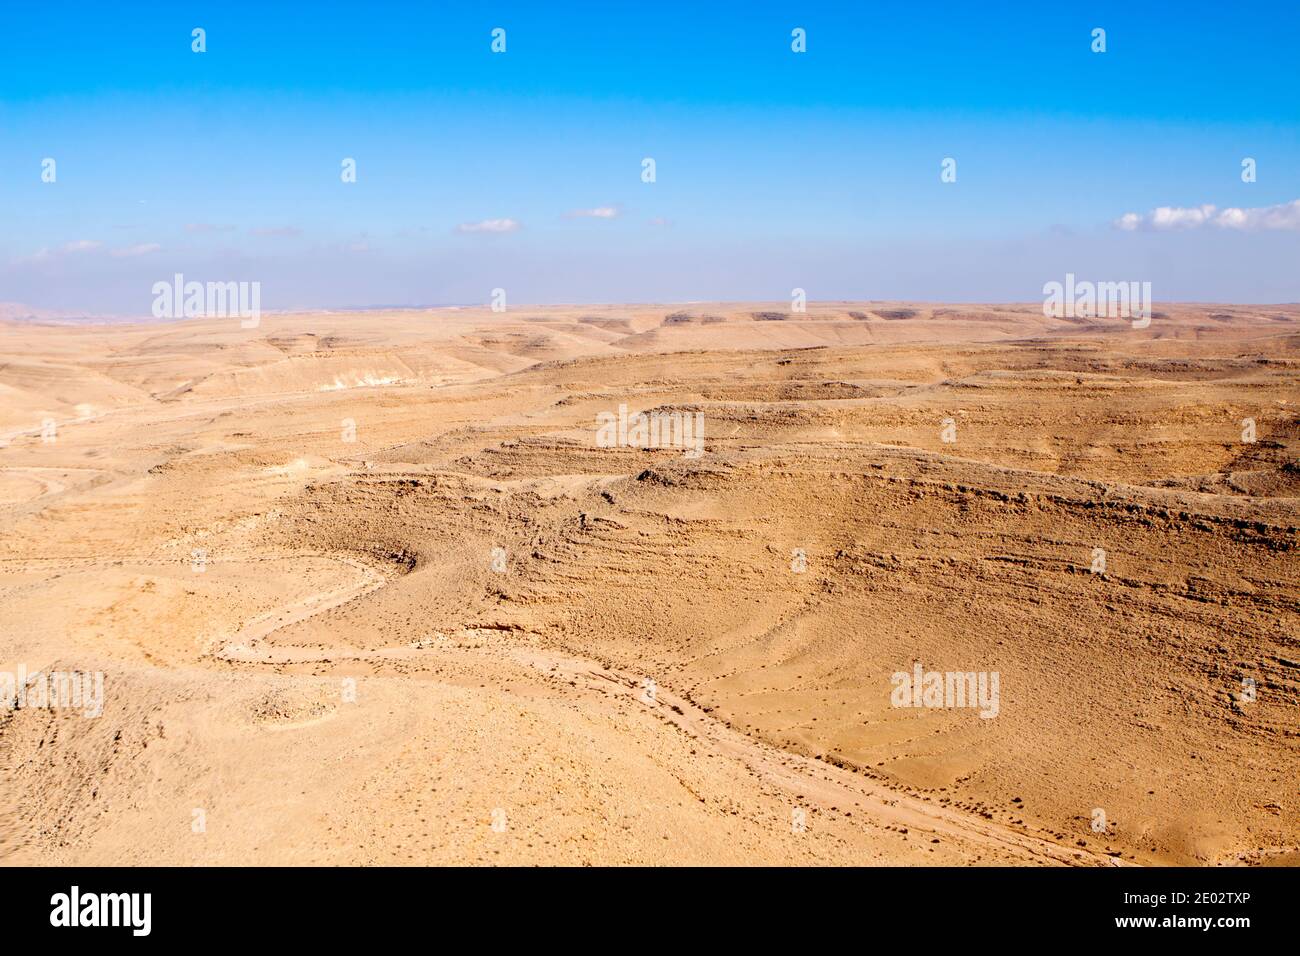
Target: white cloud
46	254
489	225
600	212
130	252
1176	217
1168	218
1282	216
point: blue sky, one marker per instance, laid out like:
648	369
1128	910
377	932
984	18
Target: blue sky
774	169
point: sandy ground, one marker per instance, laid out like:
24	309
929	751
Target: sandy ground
368	588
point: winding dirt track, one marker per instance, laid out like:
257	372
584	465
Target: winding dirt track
803	779
244	645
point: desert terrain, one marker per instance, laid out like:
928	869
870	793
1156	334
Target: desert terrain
365	588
